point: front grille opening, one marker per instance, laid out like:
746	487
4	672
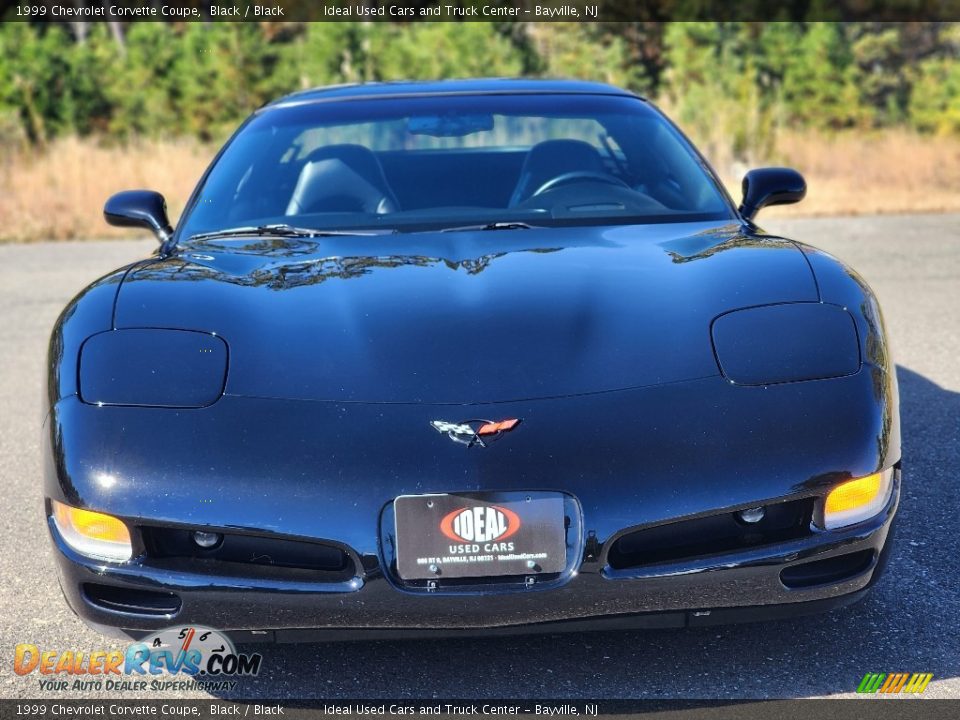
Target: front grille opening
131	600
247	554
827	572
711	535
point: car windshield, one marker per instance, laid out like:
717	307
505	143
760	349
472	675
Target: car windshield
405	164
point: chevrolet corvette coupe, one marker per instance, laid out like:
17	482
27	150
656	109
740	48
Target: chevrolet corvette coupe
490	356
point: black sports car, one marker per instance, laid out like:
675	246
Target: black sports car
492	355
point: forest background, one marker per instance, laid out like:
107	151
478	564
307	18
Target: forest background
868	111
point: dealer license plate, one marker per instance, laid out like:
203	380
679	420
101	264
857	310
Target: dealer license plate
467	535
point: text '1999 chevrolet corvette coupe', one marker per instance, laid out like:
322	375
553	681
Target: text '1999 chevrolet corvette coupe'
491	355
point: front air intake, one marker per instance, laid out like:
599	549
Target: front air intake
829	571
711	535
246	555
131	601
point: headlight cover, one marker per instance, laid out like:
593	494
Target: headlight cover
786	343
150	367
857	500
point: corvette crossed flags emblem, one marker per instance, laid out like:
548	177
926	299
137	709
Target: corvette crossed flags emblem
475	432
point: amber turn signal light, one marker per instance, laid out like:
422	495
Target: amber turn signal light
93	534
856	500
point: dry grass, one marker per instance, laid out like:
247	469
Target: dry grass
58	193
863	173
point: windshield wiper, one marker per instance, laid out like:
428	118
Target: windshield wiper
509	225
280	230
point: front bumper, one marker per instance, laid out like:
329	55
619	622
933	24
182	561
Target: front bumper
731	587
327	472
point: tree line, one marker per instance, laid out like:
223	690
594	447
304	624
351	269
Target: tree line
156	79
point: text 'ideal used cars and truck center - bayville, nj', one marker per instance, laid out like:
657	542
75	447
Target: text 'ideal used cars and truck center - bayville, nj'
243	11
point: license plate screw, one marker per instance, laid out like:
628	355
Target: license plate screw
434	569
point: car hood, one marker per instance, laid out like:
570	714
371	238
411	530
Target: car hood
465	317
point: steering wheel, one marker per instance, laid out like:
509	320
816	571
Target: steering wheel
577	175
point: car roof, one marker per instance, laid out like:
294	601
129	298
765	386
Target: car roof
479	86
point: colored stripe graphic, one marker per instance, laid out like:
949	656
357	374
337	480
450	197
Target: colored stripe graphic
871	682
918	682
893	683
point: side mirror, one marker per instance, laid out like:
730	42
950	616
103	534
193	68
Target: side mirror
139	208
771	186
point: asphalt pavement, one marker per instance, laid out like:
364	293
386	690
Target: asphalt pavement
908	624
